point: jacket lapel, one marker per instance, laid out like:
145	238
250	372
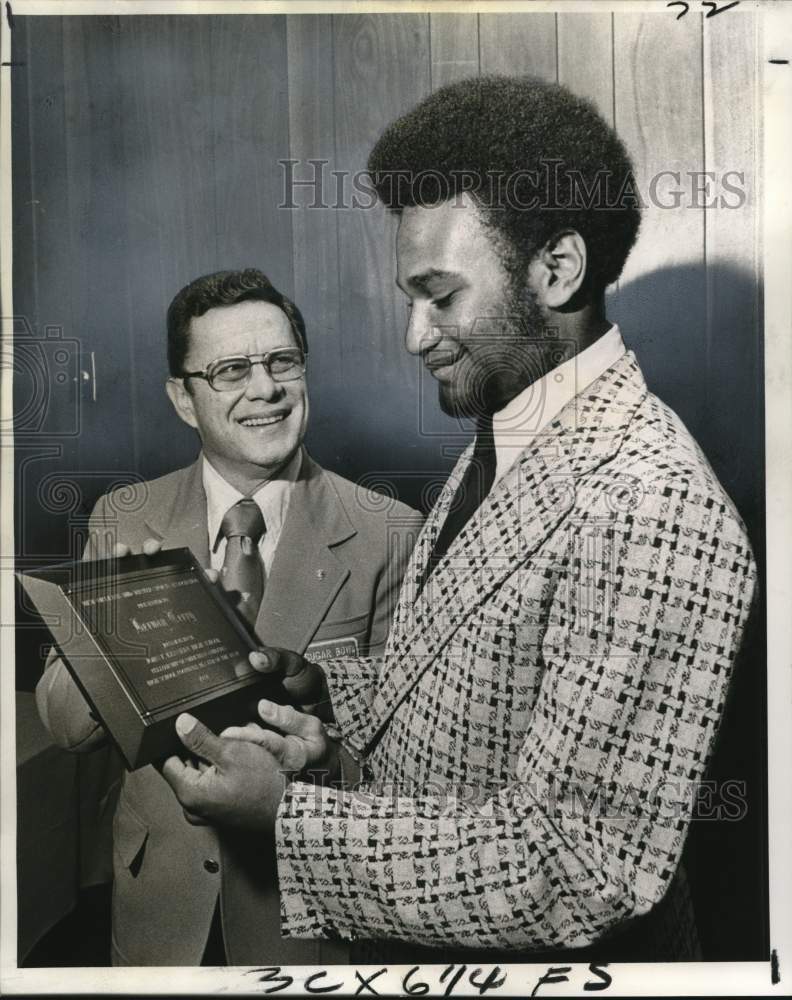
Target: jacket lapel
523	508
183	523
406	607
306	573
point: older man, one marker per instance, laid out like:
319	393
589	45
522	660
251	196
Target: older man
312	564
531	740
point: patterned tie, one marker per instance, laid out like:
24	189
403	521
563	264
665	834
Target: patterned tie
242	575
476	484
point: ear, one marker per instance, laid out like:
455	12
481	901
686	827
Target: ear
182	400
560	269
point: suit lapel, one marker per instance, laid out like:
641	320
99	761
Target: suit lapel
183	523
406	608
306	573
523	508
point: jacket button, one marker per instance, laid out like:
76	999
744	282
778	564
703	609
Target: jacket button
211	866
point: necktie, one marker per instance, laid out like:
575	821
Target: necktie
242	575
476	484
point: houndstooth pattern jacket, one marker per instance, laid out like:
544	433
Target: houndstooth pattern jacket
534	731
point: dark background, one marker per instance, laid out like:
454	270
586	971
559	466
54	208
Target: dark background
145	153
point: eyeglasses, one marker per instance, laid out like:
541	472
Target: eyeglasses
282	365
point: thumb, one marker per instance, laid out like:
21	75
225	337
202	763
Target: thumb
198	739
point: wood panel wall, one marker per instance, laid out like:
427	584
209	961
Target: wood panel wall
147	152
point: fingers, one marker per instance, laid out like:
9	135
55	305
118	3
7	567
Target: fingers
193	819
185	780
182	778
291	752
244	792
266	738
305	740
289	720
247	732
303	680
212	574
265	661
198	739
151	546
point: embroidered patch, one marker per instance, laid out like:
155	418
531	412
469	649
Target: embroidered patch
332	648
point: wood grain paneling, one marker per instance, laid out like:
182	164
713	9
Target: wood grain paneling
168	184
585	58
658	114
515	43
24	205
733	330
315	225
44	295
153	157
46	285
454	42
250	127
733	440
381	70
94	171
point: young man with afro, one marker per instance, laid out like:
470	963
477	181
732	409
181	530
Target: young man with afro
527	747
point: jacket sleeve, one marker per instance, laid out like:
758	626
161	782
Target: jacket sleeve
63	710
590	829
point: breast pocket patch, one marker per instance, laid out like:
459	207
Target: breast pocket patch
330	649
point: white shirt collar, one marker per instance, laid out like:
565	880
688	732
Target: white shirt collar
272	497
515	426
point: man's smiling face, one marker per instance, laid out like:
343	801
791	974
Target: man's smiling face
251	432
466	322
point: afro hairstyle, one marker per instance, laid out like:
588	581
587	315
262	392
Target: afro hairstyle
536	159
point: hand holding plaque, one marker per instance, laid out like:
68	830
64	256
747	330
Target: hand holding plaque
302	680
146	638
248	767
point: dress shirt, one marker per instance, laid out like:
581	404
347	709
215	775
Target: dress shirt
272	499
517	424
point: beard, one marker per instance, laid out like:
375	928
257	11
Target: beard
506	353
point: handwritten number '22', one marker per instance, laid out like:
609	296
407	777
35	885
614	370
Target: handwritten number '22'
713	7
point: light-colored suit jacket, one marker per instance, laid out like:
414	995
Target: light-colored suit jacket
544	707
333	580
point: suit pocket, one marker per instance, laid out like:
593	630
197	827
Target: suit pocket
130	835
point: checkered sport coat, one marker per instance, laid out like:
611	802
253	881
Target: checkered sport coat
544	706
